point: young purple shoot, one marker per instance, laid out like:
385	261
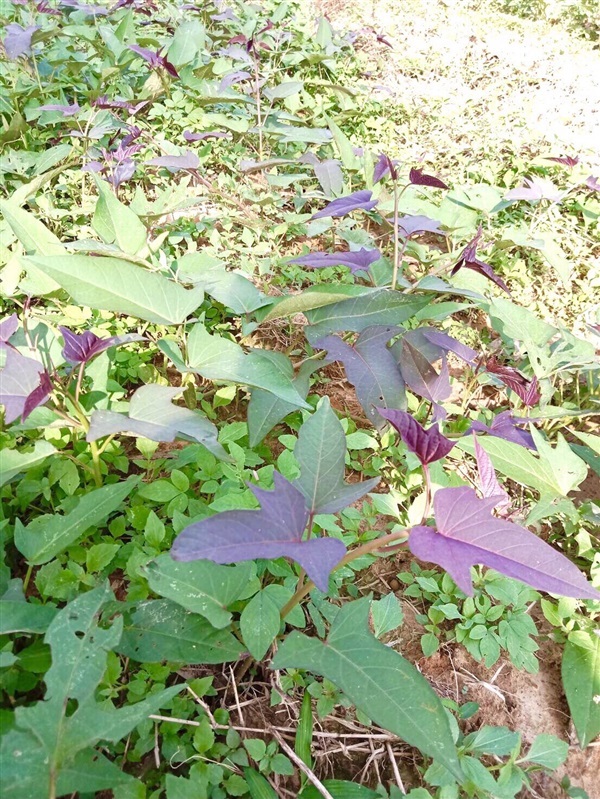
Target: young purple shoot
469	260
528	391
155	59
419	178
566	160
80	348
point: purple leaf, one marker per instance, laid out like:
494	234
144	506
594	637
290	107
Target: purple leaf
418	178
97	11
356	261
467	534
44	7
527	390
24	384
504	425
468	259
428	445
233	78
358	200
535	189
274	531
380	38
17	41
65	110
370	367
488	482
176	162
155	59
419	224
8	327
567	160
593	183
417	351
82	347
384	166
209	134
104	102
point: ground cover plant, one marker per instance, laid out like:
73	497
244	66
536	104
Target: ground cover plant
267	390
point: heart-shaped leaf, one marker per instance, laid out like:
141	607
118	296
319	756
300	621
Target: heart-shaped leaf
321	455
274	531
378	680
371	368
467	534
153	415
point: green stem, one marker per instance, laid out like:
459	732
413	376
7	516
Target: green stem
396	242
365	549
96	463
427	508
27	577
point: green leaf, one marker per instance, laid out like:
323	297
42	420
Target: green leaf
115	223
304	731
378	680
544	473
344	146
387	615
340	789
312	298
19	616
24	771
258	786
518	324
259	624
581	681
493	741
47	535
15	462
378	307
112	284
232	289
200	586
161	630
265	410
321	454
547	750
188	41
33	234
217	358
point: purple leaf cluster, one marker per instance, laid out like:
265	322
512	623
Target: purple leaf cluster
419	178
527	390
82	347
469	260
155	59
467	534
357	201
146	7
117	166
43	7
274	531
359	261
428	445
17	41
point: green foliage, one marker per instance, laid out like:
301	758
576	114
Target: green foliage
101	630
